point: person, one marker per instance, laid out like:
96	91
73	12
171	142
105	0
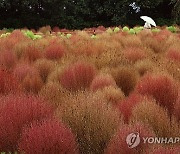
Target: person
147	25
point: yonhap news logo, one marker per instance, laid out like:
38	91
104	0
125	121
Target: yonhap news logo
134	139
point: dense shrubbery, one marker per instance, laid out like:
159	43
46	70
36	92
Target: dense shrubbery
81	94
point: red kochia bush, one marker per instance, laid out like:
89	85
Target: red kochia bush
161	87
23	69
118	144
54	51
77	76
126	106
165	150
173	54
177	108
7	59
48	137
15	113
102	81
8	83
134	53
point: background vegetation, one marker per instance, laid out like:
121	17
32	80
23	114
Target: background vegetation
78	14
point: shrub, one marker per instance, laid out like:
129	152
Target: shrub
45	67
125	29
173	54
93	121
32	52
131	41
48	137
32	83
134	54
177	108
150	113
54	93
16	111
7	60
54	51
118	144
126	106
113	95
8	83
161	87
101	81
23	69
144	66
164	150
77	76
152	43
125	78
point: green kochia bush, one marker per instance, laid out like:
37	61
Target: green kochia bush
125	29
173	29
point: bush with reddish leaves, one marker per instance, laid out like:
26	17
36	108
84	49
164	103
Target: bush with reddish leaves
162	87
77	76
118	144
165	150
134	54
126	106
177	108
156	117
48	137
7	59
54	51
92	119
173	54
32	52
101	81
24	69
17	111
32	83
8	83
45	67
125	78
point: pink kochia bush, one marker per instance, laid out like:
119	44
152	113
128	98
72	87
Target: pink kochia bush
118	144
48	137
17	111
163	88
101	81
77	76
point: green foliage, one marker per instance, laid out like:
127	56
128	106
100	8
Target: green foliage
132	31
78	14
116	29
109	30
31	35
173	29
5	35
93	36
138	29
68	35
155	30
125	29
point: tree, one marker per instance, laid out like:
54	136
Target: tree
176	10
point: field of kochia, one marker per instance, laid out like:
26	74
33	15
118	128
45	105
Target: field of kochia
85	91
